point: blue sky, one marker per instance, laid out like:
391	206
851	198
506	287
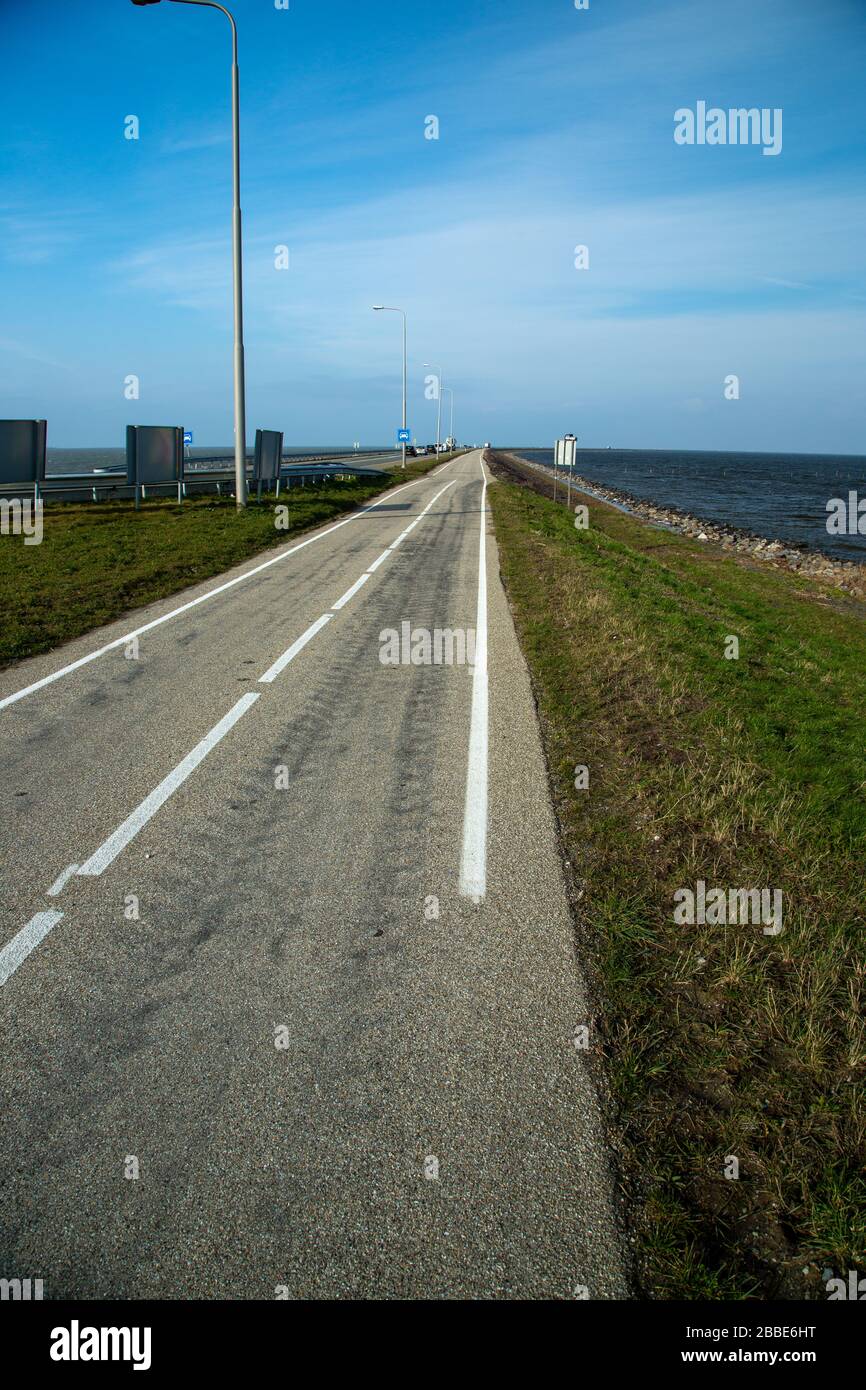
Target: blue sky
556	129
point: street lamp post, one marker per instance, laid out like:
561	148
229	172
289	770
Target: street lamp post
389	309
240	401
439	389
451	394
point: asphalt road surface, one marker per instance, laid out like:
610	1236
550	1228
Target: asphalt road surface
289	991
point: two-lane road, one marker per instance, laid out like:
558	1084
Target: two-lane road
290	991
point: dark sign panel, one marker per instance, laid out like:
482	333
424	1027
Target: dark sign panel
154	454
269	455
22	451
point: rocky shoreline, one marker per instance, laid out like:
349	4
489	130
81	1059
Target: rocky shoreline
844	575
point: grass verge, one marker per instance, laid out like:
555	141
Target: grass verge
717	1041
99	560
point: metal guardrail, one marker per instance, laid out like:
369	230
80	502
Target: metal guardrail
111	483
190	464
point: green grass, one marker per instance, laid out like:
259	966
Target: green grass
748	773
100	560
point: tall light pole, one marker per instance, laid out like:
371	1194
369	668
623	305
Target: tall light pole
438	401
451	394
389	309
240	401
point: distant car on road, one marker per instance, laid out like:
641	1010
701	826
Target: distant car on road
486	444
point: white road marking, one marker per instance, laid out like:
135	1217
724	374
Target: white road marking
421	515
473	863
41	924
25	941
376	563
59	882
350	592
282	661
109	850
194	603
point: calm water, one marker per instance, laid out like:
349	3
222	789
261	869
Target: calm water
60	461
782	496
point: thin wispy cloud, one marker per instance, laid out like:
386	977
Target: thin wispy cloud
785	284
194	141
556	131
34	238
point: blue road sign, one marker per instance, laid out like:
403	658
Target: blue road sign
403	436
187	438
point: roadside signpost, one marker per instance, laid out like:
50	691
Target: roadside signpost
268	459
564	452
23	452
154	456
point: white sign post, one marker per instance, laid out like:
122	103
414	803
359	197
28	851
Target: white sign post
564	457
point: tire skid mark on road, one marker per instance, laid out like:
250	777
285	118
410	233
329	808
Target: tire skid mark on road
350	593
377	562
291	652
289	655
111	848
38	927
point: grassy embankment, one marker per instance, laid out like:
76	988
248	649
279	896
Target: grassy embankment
98	560
716	1040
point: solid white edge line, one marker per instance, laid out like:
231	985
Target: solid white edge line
371	569
110	848
473	861
26	940
289	655
202	598
350	593
61	880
